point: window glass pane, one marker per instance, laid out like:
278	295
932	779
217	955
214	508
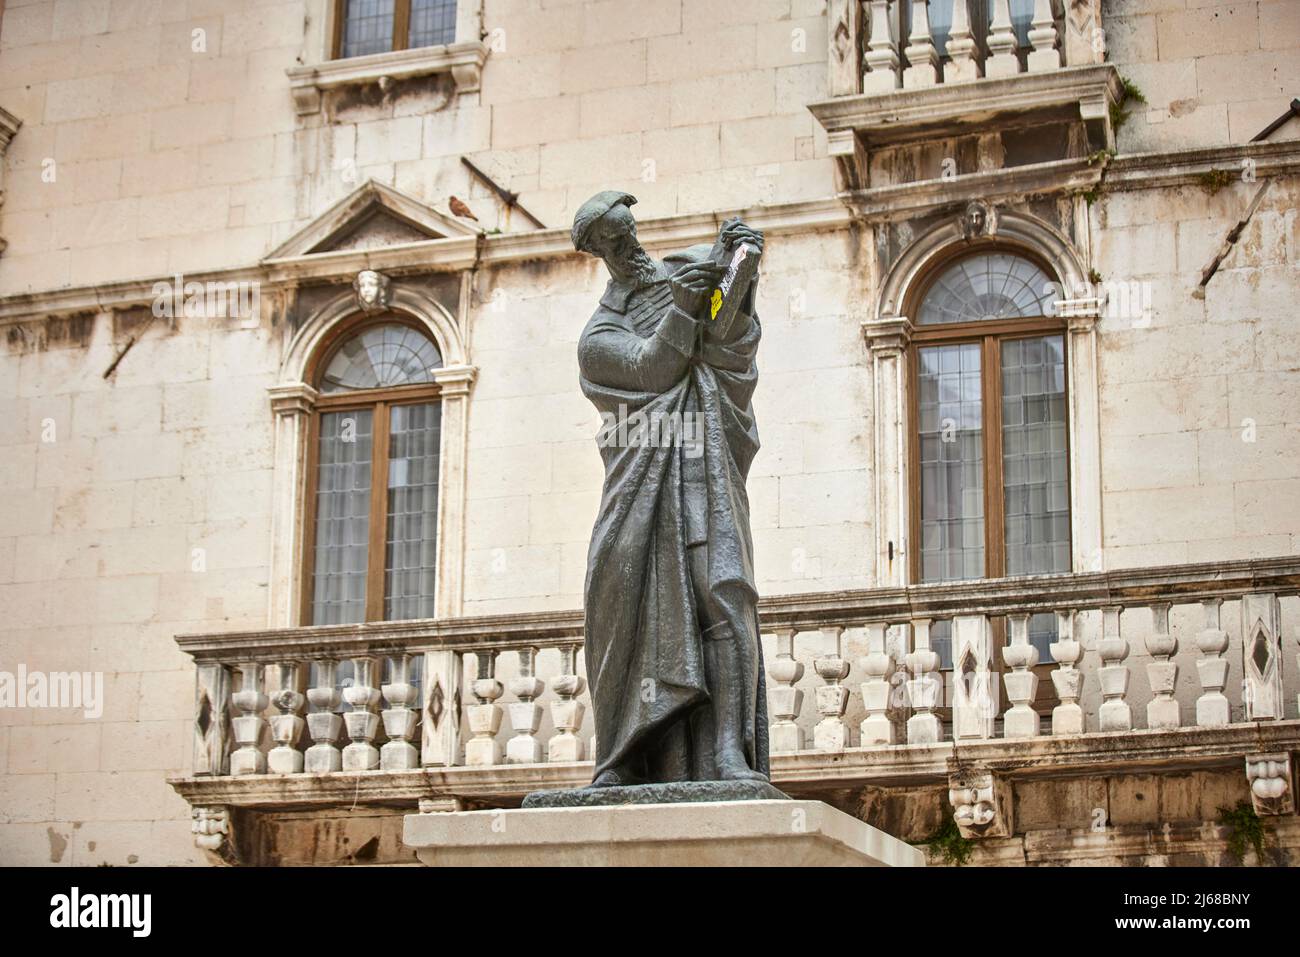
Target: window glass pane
1022	15
941	24
412	510
432	22
1034	468
368	27
952	462
342	518
987	286
1042	632
941	642
382	356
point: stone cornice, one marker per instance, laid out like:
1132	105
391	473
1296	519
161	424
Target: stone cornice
1139	171
1182	167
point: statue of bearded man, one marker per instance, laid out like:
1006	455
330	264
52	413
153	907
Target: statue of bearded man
672	636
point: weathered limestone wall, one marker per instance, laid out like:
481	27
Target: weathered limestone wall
1212	71
168	158
134	509
1200	399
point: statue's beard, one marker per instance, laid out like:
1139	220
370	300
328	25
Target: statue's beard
636	264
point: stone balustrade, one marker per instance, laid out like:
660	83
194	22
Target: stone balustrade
866	672
908	44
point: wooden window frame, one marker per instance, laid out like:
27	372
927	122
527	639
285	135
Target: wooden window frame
401	27
990	334
379	402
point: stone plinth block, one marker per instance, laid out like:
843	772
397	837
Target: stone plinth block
758	833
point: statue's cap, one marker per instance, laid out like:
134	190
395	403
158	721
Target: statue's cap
590	211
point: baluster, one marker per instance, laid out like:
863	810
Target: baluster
975	693
1067	717
361	722
525	713
1114	713
1261	645
322	722
400	718
485	717
211	717
925	689
1002	43
567	712
831	733
1212	708
1162	673
1021	720
286	727
965	62
247	729
1045	55
878	665
785	700
881	57
923	59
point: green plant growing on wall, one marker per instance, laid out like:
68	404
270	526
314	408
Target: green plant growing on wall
1128	92
1213	180
948	843
1245	830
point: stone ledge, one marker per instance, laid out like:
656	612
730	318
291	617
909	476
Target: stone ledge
464	61
708	834
949	109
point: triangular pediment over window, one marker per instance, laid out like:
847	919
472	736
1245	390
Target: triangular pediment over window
373	216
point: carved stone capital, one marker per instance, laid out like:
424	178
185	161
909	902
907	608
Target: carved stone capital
888	335
455	380
296	398
981	803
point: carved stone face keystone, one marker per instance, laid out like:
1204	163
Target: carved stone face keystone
978	219
372	289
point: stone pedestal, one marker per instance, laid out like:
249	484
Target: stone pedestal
562	833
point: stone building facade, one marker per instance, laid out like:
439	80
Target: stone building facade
1025	516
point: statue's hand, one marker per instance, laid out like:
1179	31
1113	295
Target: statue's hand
692	284
734	232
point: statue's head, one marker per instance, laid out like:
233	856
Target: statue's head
371	289
604	227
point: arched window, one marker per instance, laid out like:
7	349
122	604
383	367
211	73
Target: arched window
990	453
373	476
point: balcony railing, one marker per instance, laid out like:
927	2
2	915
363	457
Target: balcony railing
495	706
916	43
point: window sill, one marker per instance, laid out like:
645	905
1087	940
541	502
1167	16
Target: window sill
464	61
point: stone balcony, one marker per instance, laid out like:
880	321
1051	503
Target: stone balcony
928	74
1159	670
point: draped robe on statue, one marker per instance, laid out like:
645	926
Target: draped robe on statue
644	643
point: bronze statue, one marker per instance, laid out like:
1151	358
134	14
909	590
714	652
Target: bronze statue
672	636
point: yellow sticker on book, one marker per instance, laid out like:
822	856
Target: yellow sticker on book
715	303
